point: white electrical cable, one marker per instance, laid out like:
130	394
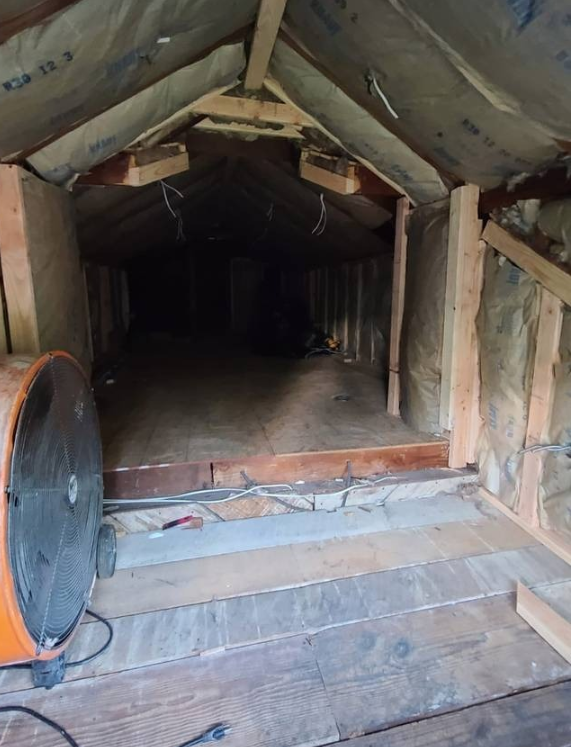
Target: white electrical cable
545	447
322	222
175	213
382	96
254	491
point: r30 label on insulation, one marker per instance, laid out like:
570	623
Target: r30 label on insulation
47	67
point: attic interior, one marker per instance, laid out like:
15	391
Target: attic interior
285	373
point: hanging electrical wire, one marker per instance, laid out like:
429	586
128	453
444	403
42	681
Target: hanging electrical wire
176	214
371	80
322	222
545	447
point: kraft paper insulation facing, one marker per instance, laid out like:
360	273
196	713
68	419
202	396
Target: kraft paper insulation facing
555	222
507	330
555	489
423	322
377	45
112	47
517	53
360	133
110	132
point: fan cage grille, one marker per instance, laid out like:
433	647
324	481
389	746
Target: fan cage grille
55	500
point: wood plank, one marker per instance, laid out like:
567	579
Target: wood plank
33	16
221	538
332	173
551	626
459	352
40	263
540	403
270	14
255	690
323	465
16	268
139	169
475	420
386	672
550	275
153	480
308	609
144	589
252	109
397	308
539	717
551	539
245	128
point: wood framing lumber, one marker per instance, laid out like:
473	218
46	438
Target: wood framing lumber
41	269
326	173
397	309
552	540
551	626
254	110
541	402
552	277
245	128
34	16
462	300
140	167
359	311
270	13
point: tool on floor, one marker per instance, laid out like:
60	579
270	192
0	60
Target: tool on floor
212	735
192	522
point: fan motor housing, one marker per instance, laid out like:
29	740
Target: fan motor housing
19	640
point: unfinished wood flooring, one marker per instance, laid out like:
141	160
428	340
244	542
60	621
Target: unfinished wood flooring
178	405
408	635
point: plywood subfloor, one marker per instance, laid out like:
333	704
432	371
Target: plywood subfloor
172	405
408	636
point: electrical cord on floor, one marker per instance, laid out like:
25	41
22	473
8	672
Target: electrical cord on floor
79	662
260	491
44	719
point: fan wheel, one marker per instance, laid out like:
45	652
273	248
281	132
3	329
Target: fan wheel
51	507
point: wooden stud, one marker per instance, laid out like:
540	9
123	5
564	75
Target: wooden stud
346	309
359	312
235	108
553	628
475	418
460	345
270	14
541	402
555	279
397	309
325	296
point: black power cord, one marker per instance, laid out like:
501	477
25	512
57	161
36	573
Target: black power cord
44	719
79	662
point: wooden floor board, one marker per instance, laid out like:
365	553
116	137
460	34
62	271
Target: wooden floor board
148	588
144	549
387	672
170	634
539	718
255	690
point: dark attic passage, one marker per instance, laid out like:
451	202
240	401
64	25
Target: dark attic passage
228	337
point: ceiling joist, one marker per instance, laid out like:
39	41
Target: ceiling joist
244	128
236	108
270	15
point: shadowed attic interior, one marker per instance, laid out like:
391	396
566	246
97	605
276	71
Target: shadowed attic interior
318	251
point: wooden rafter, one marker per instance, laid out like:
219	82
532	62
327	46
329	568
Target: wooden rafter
235	108
270	13
31	17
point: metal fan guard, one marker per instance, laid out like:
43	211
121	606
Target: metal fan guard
55	501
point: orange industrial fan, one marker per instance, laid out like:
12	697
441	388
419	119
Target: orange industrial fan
52	540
